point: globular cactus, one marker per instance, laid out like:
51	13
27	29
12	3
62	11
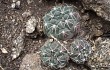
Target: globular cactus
61	22
53	55
80	50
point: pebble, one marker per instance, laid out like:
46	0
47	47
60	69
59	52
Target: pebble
27	13
13	5
16	4
31	24
29	1
4	50
18	44
31	62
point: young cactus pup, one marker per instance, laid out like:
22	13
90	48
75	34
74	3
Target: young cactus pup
53	55
80	50
61	22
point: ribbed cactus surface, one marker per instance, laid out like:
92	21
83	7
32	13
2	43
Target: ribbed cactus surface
80	50
53	55
61	22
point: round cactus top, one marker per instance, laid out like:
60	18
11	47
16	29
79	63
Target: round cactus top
53	55
80	50
61	22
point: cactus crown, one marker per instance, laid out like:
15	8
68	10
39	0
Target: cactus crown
61	22
53	55
80	50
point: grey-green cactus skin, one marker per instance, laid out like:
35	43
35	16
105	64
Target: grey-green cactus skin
53	55
61	22
80	50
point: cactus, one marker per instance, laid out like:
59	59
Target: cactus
80	50
53	55
61	22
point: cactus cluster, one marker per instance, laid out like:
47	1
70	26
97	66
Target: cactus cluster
80	50
61	22
53	55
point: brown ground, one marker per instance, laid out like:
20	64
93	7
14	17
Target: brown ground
10	30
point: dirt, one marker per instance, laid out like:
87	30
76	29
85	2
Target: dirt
12	25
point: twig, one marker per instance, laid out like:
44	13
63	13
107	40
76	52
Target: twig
59	42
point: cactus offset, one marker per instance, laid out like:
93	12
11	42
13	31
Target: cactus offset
53	55
61	22
80	50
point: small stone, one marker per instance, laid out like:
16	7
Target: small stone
31	24
27	13
4	50
40	41
14	56
18	4
15	5
29	1
86	16
98	33
18	44
31	62
65	42
30	29
51	40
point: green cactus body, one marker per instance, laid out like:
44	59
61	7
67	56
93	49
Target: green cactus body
53	55
80	50
61	22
